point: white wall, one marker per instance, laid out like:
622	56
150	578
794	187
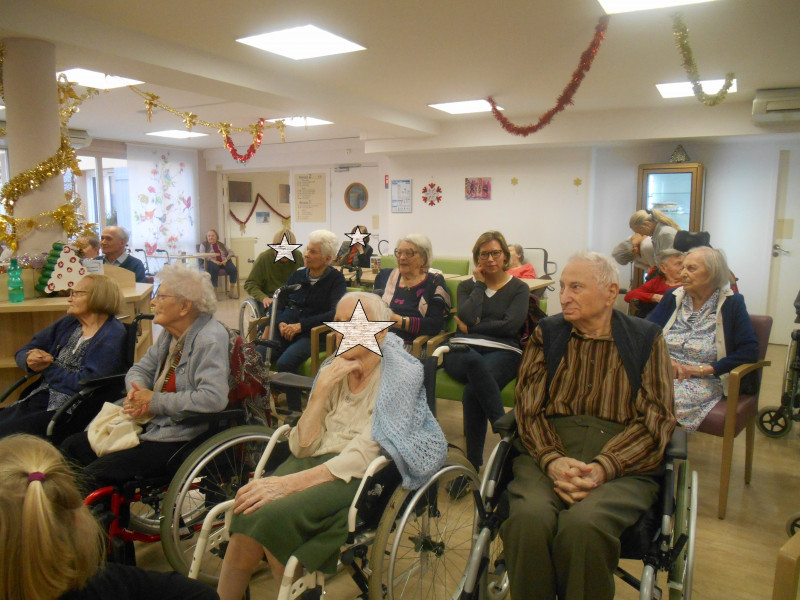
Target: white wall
264	183
547	209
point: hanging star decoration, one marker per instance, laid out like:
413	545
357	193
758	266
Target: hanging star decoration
359	331
577	182
284	249
357	238
514	181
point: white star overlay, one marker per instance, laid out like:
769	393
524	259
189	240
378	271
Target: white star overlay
284	249
357	238
359	331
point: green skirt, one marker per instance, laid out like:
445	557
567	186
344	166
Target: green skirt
311	525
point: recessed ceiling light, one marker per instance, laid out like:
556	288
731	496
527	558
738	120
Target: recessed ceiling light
464	107
301	121
178	134
97	80
621	6
684	88
300	43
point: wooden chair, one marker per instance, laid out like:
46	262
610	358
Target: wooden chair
737	412
787	570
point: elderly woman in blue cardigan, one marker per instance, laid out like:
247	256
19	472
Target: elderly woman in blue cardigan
88	342
361	404
708	333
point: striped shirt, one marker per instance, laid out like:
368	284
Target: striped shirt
591	380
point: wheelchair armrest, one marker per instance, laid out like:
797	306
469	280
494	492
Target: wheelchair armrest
678	445
376	465
188	417
290	381
101	381
437	341
22	380
506	424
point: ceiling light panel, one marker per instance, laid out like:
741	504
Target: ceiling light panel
178	134
622	6
300	43
464	107
301	121
97	80
684	89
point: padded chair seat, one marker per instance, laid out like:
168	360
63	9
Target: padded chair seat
714	423
450	389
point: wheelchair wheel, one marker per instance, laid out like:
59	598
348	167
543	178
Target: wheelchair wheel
249	312
210	475
685	522
424	538
774	422
793	525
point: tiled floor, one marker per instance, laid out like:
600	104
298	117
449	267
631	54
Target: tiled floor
735	556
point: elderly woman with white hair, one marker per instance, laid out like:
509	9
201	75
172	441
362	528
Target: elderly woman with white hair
185	370
419	299
708	332
321	287
361	404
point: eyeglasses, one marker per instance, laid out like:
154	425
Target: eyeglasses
78	292
495	254
160	296
407	253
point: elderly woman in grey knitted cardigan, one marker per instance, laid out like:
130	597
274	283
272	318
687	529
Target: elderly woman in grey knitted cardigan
360	403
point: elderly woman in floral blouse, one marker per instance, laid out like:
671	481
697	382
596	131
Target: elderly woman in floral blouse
708	332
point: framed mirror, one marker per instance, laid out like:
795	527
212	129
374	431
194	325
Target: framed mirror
676	189
356	196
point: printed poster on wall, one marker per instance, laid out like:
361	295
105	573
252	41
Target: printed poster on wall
401	195
310	197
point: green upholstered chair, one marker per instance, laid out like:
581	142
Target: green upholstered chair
388	261
452	265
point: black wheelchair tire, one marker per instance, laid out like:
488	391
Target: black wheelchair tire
177	506
397	521
774	422
248	312
793	525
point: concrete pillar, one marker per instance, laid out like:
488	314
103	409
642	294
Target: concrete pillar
33	129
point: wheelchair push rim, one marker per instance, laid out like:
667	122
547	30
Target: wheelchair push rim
426	536
212	474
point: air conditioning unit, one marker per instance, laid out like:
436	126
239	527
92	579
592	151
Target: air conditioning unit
776	106
77	137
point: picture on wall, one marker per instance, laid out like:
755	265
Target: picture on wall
262	217
283	193
240	191
478	188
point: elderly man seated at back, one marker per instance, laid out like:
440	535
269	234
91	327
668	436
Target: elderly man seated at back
113	241
594	413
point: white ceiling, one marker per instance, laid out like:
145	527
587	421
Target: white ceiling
419	52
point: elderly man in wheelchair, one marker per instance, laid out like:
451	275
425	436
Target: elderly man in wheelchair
361	403
594	415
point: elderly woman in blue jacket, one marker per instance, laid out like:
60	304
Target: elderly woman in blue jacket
88	342
186	369
708	332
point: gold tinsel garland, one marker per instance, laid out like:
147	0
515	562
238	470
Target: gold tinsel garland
681	33
12	230
27	181
190	119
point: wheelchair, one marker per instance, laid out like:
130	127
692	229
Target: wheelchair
663	538
777	421
401	543
206	470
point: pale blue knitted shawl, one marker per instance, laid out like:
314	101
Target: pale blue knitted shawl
402	422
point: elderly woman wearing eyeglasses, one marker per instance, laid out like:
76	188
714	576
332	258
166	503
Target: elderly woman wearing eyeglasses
492	307
419	300
88	342
186	369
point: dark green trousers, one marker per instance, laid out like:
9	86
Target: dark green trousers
570	552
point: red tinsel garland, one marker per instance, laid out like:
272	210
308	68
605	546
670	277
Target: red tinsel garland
253	209
251	151
566	96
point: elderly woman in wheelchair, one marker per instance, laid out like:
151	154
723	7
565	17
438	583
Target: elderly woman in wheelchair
186	369
361	403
